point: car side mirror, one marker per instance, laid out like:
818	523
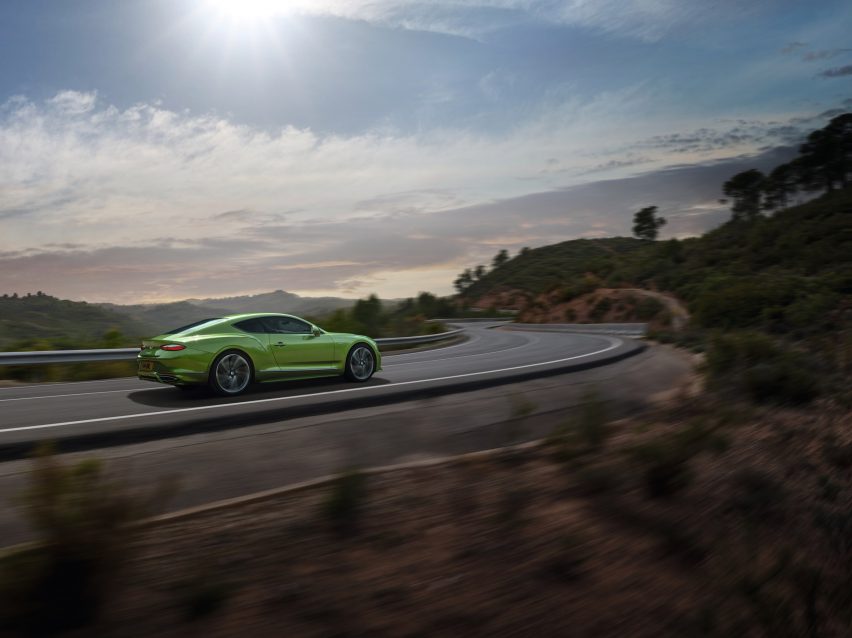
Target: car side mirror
316	331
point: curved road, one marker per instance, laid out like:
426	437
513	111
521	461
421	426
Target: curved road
94	413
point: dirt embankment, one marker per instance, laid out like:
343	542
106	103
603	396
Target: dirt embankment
602	305
608	305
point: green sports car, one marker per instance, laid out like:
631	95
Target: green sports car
230	353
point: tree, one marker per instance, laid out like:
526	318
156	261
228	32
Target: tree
525	250
463	281
746	191
646	224
826	156
368	313
780	185
500	258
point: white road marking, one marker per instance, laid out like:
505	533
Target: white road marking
614	343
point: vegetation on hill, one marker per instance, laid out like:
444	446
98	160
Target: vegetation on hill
375	319
776	271
788	273
39	321
541	269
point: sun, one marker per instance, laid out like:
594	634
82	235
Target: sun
247	11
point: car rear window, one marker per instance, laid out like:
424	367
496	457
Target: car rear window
190	326
254	326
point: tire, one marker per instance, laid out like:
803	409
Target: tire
231	373
360	363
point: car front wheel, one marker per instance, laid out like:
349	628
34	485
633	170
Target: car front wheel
360	363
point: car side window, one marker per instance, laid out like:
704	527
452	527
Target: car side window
286	325
254	326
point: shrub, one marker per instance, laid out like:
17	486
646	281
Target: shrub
203	595
666	465
600	309
648	308
757	495
343	505
592	421
598	478
84	524
666	459
757	367
583	432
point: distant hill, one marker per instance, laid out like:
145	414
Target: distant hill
277	301
157	318
57	323
26	321
160	317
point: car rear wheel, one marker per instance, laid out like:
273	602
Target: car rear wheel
360	363
230	373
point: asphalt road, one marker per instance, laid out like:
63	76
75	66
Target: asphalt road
117	411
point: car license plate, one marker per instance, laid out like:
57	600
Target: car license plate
146	366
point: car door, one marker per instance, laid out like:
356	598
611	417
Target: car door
263	358
296	347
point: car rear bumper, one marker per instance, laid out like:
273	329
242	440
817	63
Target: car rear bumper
157	371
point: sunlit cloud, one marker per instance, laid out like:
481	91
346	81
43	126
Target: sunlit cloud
148	203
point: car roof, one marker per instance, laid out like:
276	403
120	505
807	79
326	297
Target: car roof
251	315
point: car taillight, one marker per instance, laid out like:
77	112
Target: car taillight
173	346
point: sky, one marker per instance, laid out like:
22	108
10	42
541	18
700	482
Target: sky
155	150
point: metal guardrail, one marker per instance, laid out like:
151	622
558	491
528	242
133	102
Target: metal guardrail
620	329
418	339
36	357
128	354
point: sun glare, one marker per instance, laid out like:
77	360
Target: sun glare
248	10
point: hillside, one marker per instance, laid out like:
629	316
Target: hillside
788	273
541	269
26	321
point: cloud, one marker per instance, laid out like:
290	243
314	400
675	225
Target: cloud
647	20
144	203
837	72
825	54
792	47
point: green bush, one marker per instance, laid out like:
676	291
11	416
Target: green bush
83	520
757	367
